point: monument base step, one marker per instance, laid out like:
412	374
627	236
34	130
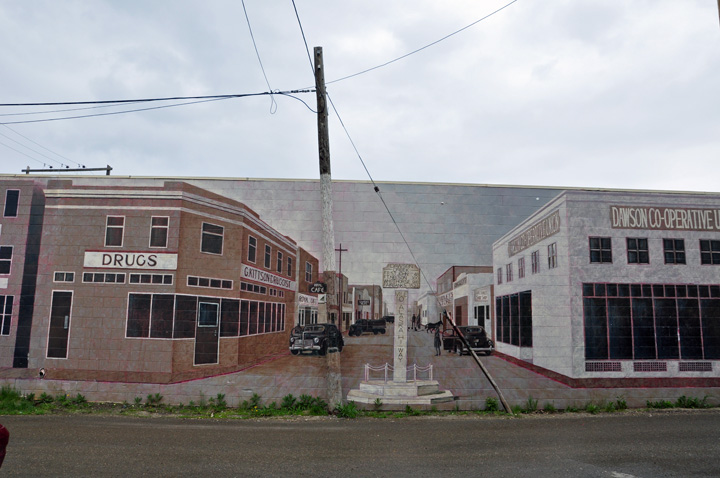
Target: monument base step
425	392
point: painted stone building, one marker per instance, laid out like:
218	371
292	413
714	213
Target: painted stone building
151	284
613	285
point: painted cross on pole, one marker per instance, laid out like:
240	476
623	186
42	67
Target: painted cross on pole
400	277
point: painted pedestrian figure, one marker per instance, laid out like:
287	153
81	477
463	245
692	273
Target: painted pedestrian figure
438	341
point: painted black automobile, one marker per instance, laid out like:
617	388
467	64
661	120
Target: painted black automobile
390	319
320	338
376	326
475	336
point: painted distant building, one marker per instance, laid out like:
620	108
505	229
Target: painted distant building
145	284
367	300
446	292
428	308
613	285
473	299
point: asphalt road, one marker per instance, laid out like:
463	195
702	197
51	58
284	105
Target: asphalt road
621	445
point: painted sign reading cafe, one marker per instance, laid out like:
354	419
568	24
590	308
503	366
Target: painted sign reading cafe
131	260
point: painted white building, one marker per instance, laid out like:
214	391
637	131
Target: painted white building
472	295
427	305
598	285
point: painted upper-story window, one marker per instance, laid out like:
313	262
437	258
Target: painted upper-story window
535	261
509	272
289	267
212	238
637	250
600	250
159	231
499	275
12	197
268	256
252	249
674	250
552	256
709	252
279	264
308	272
114	229
6	253
521	268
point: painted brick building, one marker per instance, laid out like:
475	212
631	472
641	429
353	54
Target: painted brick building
150	284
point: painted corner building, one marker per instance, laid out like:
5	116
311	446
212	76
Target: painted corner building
613	285
142	283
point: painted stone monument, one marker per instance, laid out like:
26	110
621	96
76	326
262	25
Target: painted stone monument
400	390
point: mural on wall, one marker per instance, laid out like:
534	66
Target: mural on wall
160	281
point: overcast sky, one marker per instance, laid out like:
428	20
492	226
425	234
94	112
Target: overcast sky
596	93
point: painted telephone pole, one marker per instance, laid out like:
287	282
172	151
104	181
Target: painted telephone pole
334	378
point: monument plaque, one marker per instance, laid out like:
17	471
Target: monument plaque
401	276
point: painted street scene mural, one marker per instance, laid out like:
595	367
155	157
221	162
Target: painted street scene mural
118	287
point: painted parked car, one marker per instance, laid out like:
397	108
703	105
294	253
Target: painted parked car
475	336
376	326
320	338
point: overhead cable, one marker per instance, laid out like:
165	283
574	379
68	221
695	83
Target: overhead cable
424	47
273	104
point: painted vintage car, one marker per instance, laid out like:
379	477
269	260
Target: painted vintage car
475	336
320	338
376	326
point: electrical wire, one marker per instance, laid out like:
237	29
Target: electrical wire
307	49
357	152
424	47
24	154
209	99
273	104
38	144
377	191
29	148
139	100
58	111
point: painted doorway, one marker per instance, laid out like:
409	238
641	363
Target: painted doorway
59	324
207	333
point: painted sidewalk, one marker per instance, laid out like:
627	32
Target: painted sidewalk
285	374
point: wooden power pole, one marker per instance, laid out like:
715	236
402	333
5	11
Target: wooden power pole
334	377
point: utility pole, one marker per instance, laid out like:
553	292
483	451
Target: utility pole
328	231
334	377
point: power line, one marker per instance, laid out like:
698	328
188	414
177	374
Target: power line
307	49
424	47
27	113
24	154
273	104
377	191
207	99
27	147
140	100
38	144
